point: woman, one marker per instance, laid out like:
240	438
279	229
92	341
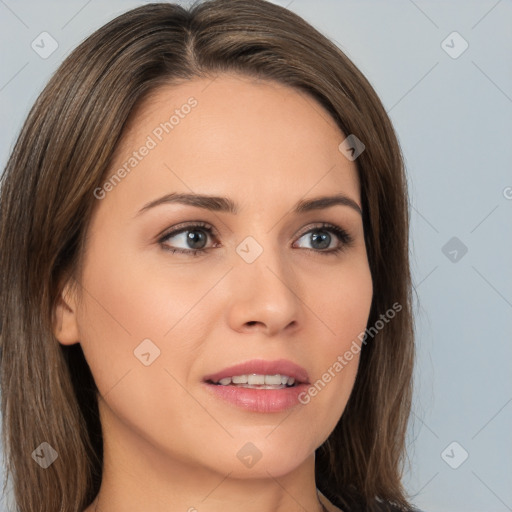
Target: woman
205	277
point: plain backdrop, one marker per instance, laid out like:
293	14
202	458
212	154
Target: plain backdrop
443	70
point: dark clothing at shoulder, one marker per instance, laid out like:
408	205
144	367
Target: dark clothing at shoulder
379	507
389	507
353	503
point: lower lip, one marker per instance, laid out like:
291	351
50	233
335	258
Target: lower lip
259	400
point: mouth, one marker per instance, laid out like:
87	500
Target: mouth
261	374
259	385
257	381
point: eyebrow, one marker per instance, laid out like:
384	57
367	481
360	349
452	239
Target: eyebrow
224	204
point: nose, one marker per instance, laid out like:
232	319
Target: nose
264	296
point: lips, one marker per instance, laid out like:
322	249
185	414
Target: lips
262	367
242	386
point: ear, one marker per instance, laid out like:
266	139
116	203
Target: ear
65	325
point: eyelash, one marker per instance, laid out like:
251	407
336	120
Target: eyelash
344	238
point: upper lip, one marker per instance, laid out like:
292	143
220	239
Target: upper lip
263	367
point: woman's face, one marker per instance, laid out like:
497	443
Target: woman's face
256	275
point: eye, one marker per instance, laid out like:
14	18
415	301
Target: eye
321	239
192	237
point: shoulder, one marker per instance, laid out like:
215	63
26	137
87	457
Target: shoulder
381	507
327	504
389	507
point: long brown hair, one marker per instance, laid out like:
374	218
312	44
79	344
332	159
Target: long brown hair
63	154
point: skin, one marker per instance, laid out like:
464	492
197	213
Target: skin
168	444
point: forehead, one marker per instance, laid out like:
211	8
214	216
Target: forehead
236	134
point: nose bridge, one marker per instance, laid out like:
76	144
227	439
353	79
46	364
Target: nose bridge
263	259
264	289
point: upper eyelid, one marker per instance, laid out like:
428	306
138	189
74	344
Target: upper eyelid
179	228
321	225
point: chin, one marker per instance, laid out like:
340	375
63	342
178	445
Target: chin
261	455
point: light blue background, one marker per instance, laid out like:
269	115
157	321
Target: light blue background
454	122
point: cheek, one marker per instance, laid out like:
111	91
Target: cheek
343	306
130	298
341	300
136	296
131	317
125	313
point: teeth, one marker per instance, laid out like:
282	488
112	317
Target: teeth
273	379
269	381
257	379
